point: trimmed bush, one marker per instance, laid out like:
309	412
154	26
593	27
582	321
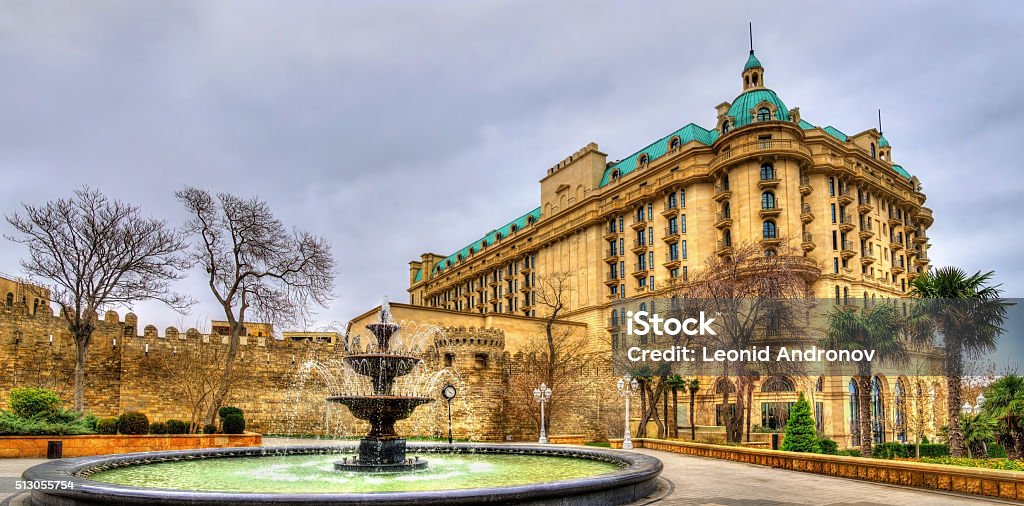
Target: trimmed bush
849	452
828	446
158	428
176	427
234	423
801	435
209	429
889	451
224	411
30	402
106	426
932	450
133	422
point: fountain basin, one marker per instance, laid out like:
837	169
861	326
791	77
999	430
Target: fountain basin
382	364
613	477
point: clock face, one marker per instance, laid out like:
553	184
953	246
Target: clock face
448	392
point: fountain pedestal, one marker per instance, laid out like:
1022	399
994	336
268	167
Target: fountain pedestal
382	450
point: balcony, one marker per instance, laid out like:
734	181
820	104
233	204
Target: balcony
805	185
910	226
526	269
922	259
672	261
669	209
723	220
896	244
639	270
912	252
808	242
771	241
844	195
724	248
525	288
924	216
610	234
897	267
846	223
864	206
866	230
847	250
639	223
722	193
867	257
768	183
671	234
613	323
611	257
639	246
920	239
806	215
765	212
509	294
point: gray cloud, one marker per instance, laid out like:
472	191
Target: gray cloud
401	127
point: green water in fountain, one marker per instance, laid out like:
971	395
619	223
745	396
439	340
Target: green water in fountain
316	474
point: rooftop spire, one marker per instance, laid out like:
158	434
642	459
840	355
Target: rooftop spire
750	29
879	122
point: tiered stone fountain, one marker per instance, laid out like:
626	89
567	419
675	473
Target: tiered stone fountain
382	450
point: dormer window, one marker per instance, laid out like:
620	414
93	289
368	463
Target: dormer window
764	114
615	174
725	127
644	159
674	143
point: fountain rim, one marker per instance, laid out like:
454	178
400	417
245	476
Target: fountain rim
638	470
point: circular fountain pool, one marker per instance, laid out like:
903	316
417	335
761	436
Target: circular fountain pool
458	473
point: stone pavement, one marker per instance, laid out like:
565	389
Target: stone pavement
689	480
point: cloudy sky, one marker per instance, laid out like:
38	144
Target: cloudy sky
395	128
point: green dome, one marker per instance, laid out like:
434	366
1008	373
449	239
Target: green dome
752	62
740	109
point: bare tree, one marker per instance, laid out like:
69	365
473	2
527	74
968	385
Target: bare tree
191	372
756	299
255	267
97	253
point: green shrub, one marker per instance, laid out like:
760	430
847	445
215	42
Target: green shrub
158	428
849	452
801	435
930	450
889	451
176	427
30	402
133	422
106	426
209	429
13	425
924	440
1006	465
224	411
995	451
234	423
828	446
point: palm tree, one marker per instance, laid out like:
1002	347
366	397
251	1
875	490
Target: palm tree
978	430
1004	403
876	327
675	382
969	314
693	385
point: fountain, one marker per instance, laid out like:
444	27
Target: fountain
381	450
374	471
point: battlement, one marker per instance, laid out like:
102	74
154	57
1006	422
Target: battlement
471	337
589	148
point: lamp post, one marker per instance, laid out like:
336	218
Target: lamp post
627	386
542	395
448	392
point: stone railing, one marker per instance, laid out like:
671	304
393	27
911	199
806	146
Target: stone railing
34	447
962	480
567	439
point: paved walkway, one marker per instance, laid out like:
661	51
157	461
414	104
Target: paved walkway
691	481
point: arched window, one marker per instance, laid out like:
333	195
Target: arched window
767	200
854	412
497	236
644	159
472	250
643	306
483	244
753	78
10	299
723	385
682	198
531	219
872	150
725	182
615	174
767	171
725	127
777	384
615	317
458	257
35	305
819	386
513	228
674	143
877	411
770	252
768	230
900	400
727	237
726	210
763	114
672	200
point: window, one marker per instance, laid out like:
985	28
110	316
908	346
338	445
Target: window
725	127
778	384
763	114
877	411
833	207
768	230
480	360
872	150
770	252
723	385
900	400
727	237
672	200
650	211
683	243
835	265
767	171
10	299
644	159
673	226
682	224
449	359
767	200
774	415
674	143
854	412
682	198
673	251
832	187
615	174
725	210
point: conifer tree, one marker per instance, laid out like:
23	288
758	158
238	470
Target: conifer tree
801	435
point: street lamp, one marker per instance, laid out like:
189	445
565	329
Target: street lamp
542	395
627	386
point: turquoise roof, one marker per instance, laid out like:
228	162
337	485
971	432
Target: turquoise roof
883	142
899	170
806	126
752	62
419	276
491	237
658	148
741	107
834	132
